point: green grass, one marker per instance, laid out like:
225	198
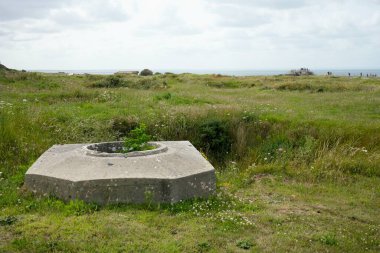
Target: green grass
297	162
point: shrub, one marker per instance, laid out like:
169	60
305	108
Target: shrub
79	207
163	96
145	83
146	72
215	138
137	139
110	82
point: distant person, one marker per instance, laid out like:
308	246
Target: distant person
361	74
349	74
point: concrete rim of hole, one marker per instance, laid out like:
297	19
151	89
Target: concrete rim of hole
115	149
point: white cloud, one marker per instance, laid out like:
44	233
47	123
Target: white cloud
240	34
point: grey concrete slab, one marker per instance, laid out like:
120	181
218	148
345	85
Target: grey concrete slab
173	171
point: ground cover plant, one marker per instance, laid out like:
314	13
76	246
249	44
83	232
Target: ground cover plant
297	161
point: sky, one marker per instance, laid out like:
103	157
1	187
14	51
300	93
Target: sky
189	34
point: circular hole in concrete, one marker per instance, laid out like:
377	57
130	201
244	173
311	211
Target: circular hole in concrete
116	149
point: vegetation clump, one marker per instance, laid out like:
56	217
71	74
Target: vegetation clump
7	221
146	72
133	82
243	244
215	138
110	82
137	140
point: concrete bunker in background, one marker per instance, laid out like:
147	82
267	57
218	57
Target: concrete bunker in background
100	173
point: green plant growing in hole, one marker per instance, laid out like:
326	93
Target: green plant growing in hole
137	140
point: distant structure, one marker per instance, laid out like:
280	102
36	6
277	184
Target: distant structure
127	73
301	72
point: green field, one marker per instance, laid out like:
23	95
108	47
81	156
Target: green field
297	160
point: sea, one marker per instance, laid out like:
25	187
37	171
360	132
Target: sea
335	72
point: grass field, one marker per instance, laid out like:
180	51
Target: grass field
297	160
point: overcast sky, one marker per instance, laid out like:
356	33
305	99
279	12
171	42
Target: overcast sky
189	34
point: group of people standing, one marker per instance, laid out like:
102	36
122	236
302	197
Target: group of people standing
329	73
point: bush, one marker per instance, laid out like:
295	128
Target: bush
146	72
110	82
163	96
215	138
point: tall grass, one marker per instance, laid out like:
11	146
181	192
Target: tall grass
222	121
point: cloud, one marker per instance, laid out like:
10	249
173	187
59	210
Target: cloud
268	4
61	13
188	33
20	9
32	20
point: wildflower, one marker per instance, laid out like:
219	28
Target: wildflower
265	158
24	100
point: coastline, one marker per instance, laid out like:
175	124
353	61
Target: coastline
318	72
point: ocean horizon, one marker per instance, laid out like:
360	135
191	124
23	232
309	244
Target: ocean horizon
336	72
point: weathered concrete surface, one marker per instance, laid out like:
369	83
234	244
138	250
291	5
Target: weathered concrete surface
177	172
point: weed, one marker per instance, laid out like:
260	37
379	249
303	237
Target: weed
7	221
163	96
204	247
148	197
244	244
328	239
78	208
137	139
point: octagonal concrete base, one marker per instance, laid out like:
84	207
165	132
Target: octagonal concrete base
173	171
